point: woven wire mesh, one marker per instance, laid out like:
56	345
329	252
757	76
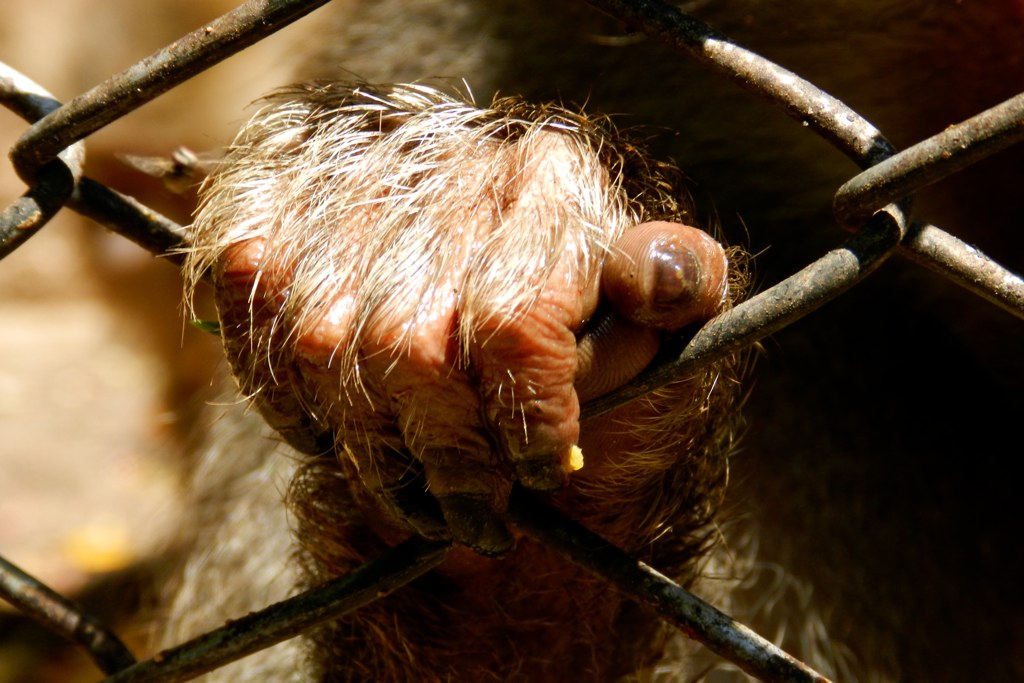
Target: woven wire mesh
49	157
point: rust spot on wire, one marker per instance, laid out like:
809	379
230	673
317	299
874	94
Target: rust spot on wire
930	161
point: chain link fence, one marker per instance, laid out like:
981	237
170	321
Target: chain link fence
874	205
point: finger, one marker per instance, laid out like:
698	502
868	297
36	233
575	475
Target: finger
249	295
526	365
666	275
610	353
363	413
437	412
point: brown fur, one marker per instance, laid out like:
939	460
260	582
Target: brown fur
656	469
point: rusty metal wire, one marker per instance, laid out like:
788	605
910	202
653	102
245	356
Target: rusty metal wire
289	618
697	619
49	157
930	160
822	113
153	76
52	190
845	266
937	250
416	556
59	127
55	181
63	617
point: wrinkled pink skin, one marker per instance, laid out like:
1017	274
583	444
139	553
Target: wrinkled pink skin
513	413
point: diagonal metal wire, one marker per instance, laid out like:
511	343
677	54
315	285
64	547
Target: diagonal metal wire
414	557
829	117
63	617
53	183
113	210
290	617
697	619
839	269
931	160
153	76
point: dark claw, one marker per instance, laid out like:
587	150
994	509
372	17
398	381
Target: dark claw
472	522
409	501
541	474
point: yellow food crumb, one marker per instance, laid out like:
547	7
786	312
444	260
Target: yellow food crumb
576	458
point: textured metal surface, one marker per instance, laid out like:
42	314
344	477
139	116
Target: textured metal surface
289	618
694	617
63	617
154	76
53	183
55	187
